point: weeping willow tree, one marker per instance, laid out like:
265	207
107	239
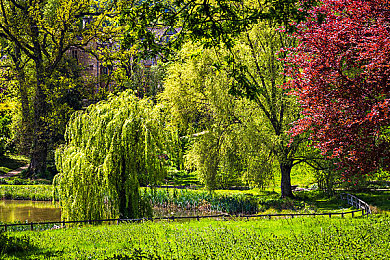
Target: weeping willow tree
224	148
110	149
230	102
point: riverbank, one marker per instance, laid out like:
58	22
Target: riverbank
298	238
40	192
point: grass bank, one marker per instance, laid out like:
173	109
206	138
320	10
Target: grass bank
26	192
298	238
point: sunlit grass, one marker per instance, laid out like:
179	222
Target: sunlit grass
298	238
27	192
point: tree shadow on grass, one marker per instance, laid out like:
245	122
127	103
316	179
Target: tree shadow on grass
9	162
379	199
321	200
22	248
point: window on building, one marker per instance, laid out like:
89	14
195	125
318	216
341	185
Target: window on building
74	55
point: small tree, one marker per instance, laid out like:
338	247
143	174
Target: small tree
340	74
110	148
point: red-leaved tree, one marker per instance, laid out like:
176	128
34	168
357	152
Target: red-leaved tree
340	74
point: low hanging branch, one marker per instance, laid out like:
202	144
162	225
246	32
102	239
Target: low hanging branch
110	148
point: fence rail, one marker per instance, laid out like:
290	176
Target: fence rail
5	227
356	202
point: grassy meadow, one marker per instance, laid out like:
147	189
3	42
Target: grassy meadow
298	238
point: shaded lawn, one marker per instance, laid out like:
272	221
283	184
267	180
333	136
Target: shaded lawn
379	199
11	162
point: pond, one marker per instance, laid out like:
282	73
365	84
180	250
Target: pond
45	211
27	210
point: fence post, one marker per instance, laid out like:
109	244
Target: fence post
342	214
32	226
353	213
197	218
330	215
5	228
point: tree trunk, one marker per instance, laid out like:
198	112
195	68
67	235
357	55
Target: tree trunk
40	141
24	131
285	185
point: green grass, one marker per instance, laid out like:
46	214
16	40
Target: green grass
11	162
301	175
26	192
182	178
380	200
298	238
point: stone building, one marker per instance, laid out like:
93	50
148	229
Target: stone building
93	70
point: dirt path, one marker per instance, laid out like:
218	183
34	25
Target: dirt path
14	172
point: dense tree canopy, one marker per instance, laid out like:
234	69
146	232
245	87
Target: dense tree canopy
245	134
340	74
35	37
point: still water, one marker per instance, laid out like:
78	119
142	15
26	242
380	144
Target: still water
45	211
26	210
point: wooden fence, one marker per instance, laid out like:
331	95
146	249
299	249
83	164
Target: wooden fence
352	200
356	202
5	227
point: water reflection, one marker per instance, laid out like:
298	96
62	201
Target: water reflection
31	211
44	211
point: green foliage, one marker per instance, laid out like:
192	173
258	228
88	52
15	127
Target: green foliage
182	178
35	40
5	128
298	238
202	200
110	149
221	131
231	203
19	181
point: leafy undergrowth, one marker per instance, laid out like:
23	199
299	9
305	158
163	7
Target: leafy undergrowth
298	238
231	202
